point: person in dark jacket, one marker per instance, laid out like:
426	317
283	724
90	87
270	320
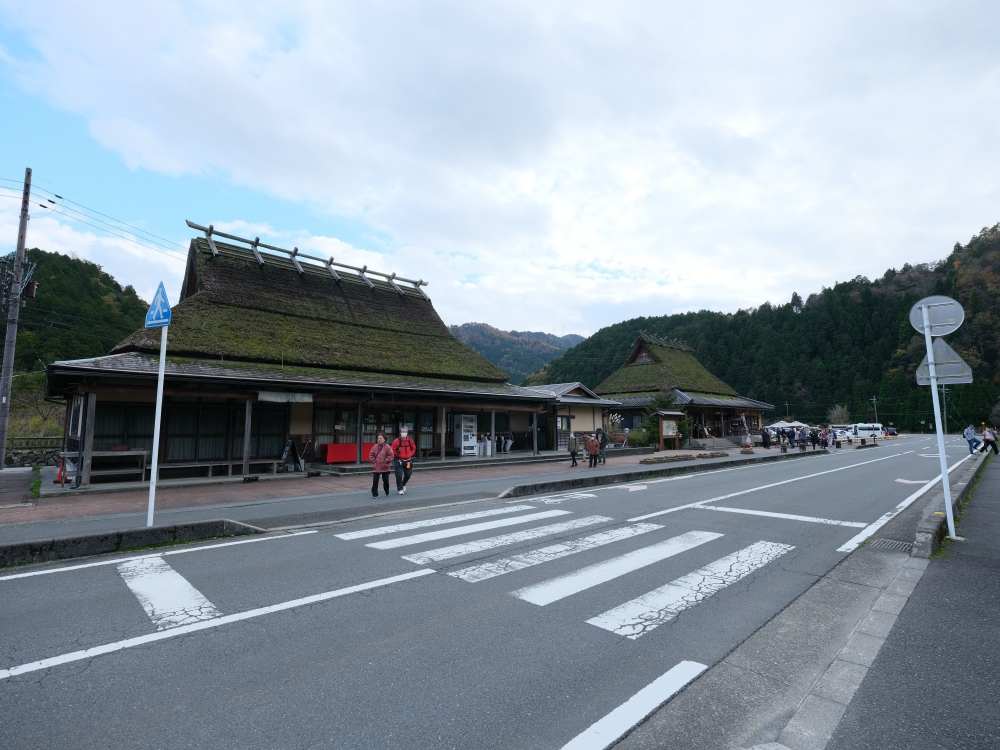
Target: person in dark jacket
404	449
381	458
765	438
602	438
574	448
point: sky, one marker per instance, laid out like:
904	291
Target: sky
549	166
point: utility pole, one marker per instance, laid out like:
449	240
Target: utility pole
786	410
874	400
13	314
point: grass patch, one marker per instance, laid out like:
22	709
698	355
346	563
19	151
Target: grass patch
36	484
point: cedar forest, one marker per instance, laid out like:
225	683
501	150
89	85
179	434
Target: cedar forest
842	345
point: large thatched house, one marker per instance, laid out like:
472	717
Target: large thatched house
667	366
266	348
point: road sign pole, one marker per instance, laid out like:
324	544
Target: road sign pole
156	427
945	483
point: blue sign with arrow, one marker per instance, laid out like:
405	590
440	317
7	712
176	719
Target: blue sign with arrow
159	312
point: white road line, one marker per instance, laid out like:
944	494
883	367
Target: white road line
141	640
611	728
382	530
764	487
119	560
432	536
913	481
636	487
788	516
480	545
859	539
553	552
167	596
579	580
635	618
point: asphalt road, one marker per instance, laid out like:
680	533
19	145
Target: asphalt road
513	624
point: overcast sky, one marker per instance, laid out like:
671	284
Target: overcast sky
545	165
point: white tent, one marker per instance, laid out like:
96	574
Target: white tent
786	425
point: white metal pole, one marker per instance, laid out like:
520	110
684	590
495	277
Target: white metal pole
945	483
156	426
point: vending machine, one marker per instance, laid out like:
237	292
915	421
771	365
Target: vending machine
465	434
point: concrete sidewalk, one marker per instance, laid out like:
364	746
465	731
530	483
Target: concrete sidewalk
936	681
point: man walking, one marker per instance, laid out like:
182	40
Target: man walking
602	456
989	440
404	449
970	435
574	447
593	450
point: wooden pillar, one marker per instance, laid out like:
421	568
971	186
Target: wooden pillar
88	438
246	437
443	431
534	433
493	432
361	431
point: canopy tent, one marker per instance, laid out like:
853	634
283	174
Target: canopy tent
786	425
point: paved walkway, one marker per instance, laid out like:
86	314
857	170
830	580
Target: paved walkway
936	681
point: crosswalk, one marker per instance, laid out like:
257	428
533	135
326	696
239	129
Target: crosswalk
631	619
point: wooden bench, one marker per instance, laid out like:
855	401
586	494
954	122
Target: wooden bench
140	469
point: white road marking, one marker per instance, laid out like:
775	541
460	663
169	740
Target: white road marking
381	530
763	487
787	516
553	552
635	618
611	728
913	481
556	499
859	539
431	536
480	545
119	560
166	595
636	487
90	653
580	580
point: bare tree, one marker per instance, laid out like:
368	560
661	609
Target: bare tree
28	398
838	414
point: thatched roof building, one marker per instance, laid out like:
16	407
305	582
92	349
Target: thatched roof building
312	352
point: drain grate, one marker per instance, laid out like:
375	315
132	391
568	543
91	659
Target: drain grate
893	545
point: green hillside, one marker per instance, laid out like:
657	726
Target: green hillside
515	352
79	294
842	345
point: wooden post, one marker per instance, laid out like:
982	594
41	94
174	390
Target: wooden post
534	433
443	431
246	437
88	438
493	432
361	430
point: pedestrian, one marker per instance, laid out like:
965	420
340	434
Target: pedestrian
989	440
602	438
765	438
791	437
574	448
593	450
970	435
381	458
404	449
814	438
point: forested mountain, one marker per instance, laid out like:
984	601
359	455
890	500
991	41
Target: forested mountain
81	295
842	345
515	352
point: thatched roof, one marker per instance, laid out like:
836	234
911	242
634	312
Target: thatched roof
657	365
232	309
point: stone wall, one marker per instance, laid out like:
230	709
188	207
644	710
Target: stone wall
33	457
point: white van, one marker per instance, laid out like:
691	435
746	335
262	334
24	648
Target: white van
866	430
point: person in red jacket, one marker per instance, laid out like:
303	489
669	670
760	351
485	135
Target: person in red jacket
404	449
381	458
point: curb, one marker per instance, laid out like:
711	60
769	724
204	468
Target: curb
541	488
932	528
46	550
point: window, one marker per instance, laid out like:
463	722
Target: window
267	432
109	427
182	433
213	424
426	430
562	423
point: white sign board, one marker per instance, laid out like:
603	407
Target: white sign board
951	368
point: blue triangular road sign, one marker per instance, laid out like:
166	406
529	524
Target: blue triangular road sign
159	312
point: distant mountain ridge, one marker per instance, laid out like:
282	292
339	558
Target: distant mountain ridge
518	353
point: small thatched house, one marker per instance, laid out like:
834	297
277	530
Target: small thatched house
669	367
266	348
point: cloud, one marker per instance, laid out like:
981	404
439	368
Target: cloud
560	165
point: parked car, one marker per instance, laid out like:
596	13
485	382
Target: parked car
892	431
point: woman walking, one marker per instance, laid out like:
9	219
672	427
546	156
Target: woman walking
381	457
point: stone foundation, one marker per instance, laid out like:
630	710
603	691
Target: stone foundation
33	457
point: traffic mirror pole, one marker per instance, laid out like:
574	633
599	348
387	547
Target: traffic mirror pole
945	483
